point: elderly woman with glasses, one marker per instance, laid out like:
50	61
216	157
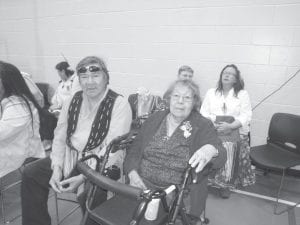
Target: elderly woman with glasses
87	123
170	140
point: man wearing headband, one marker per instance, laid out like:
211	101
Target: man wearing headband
87	123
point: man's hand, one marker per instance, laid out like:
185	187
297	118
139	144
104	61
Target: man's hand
55	179
135	180
202	156
72	183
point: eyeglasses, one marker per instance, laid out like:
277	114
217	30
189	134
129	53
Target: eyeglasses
229	73
177	97
92	69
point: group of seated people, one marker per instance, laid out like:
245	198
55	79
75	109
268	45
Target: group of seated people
173	132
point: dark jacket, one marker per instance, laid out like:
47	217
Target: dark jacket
203	132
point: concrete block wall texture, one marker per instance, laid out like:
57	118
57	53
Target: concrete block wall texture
144	43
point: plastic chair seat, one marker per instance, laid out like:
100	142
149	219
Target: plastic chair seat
281	151
123	210
273	157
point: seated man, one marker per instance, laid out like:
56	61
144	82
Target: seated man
87	123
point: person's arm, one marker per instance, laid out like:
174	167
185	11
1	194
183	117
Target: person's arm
206	143
134	157
135	180
56	101
14	119
135	152
243	119
246	110
59	148
205	109
60	135
119	125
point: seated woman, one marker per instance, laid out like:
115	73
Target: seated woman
19	121
170	140
143	103
230	99
87	123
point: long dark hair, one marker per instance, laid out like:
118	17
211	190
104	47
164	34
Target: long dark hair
237	86
14	84
64	66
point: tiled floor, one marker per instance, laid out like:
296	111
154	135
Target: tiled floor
237	210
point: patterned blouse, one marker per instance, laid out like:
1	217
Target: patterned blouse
165	158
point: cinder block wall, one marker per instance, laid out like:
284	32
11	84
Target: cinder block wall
144	42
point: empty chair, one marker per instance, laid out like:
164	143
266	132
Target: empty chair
282	150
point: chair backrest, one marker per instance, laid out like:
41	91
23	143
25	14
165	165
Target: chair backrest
284	131
44	88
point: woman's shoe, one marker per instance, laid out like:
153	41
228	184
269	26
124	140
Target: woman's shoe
225	193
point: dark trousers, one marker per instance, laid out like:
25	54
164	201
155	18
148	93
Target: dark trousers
34	193
35	190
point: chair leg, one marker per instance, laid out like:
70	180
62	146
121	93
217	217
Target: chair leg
2	206
56	208
88	203
58	220
278	193
184	217
292	217
2	191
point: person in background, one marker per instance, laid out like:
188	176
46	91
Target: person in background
185	73
64	89
172	139
230	99
87	123
19	121
61	94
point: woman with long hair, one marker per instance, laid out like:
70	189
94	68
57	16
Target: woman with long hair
229	107
19	120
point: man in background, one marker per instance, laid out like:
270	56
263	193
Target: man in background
185	73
